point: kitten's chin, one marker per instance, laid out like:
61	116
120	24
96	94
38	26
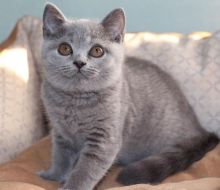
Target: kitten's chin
80	77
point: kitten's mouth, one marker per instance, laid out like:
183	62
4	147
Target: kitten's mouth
78	75
81	74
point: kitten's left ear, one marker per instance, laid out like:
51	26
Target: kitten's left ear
114	25
53	20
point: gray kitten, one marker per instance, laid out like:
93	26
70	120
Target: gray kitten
106	108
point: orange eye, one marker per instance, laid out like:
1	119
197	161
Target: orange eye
96	51
65	49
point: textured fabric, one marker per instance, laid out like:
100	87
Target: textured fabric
194	61
24	167
21	116
18	186
201	184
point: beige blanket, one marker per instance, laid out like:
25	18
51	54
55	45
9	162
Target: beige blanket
202	175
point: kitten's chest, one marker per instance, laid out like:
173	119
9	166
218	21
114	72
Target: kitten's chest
75	112
71	114
74	118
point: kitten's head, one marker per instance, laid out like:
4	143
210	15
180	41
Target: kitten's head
82	55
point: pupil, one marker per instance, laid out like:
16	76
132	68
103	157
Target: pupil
66	48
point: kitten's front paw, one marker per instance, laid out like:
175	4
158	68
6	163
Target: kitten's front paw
48	175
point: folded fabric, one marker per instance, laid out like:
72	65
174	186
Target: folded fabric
18	186
37	157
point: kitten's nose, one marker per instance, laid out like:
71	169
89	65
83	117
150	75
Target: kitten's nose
79	64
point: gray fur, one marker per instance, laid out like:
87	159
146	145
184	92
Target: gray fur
118	110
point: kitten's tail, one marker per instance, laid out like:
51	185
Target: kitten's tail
156	168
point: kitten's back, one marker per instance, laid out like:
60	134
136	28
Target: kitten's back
162	134
158	109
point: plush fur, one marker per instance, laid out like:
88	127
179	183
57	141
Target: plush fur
112	110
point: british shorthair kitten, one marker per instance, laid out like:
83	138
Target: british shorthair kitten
108	109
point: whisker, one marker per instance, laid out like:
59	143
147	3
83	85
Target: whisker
92	70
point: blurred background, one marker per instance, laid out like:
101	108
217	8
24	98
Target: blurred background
183	16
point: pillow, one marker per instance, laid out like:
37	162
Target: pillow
193	60
21	122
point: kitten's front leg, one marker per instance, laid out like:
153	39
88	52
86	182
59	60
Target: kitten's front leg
63	158
95	159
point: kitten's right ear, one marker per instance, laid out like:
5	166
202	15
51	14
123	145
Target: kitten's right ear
53	20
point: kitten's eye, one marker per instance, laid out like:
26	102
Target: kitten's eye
65	49
96	51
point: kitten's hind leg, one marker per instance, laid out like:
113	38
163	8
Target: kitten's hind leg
63	159
156	168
